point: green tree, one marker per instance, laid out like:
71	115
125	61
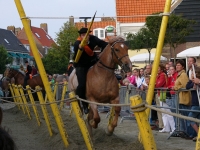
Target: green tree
4	59
57	59
143	39
177	29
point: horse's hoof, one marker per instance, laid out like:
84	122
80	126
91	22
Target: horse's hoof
91	122
108	132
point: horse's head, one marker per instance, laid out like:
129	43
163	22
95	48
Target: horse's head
120	53
10	73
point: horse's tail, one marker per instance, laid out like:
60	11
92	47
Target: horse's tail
73	81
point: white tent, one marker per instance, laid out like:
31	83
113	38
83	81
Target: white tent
194	51
145	58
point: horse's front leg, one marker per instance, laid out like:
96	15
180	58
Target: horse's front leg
96	119
113	123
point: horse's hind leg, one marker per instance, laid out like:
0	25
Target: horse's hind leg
117	109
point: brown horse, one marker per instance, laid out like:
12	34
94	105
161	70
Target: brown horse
102	85
19	78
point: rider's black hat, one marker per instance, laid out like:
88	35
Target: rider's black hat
83	30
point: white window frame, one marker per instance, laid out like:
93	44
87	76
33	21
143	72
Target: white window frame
100	35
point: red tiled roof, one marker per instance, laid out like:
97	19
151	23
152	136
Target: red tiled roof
97	24
44	38
137	7
27	43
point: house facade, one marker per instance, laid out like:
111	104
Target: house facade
42	39
14	47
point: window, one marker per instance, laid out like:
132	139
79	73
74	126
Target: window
96	33
6	41
27	47
48	37
37	35
46	50
101	33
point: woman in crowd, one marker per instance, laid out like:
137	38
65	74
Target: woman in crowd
184	96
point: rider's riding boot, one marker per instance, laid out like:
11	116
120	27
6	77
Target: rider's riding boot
85	107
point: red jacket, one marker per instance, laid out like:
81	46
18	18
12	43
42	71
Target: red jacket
161	80
171	82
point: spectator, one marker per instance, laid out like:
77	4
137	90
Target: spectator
161	81
70	67
167	68
195	100
191	61
184	96
171	100
170	63
138	80
131	78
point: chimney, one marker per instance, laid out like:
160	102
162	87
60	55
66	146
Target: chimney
71	20
11	28
44	27
17	30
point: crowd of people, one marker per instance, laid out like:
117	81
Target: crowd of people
170	79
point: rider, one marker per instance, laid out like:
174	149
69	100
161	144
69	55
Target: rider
28	72
87	59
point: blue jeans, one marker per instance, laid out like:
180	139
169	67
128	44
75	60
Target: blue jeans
194	114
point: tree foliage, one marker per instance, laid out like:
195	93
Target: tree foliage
4	59
57	59
177	29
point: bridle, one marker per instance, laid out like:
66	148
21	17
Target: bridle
118	58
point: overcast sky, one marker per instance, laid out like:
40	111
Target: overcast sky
53	8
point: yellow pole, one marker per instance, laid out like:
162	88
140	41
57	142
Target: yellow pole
83	42
143	124
25	102
81	122
55	89
63	95
13	95
44	110
42	71
19	98
159	47
28	89
198	141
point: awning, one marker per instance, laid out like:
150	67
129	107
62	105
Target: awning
13	54
27	56
21	55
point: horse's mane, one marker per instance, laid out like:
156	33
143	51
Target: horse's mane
114	39
17	71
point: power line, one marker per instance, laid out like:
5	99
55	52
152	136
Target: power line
134	16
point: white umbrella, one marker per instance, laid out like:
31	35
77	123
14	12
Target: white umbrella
194	51
145	57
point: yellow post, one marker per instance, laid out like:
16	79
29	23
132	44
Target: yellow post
19	98
33	104
198	141
81	122
24	100
143	124
63	95
159	47
42	71
44	110
13	95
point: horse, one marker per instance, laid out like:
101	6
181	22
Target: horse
19	80
101	83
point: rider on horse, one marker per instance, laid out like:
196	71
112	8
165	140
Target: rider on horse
28	72
87	59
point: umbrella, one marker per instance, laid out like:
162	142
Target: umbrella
194	51
145	57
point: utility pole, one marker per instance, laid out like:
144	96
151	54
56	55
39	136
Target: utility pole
85	20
